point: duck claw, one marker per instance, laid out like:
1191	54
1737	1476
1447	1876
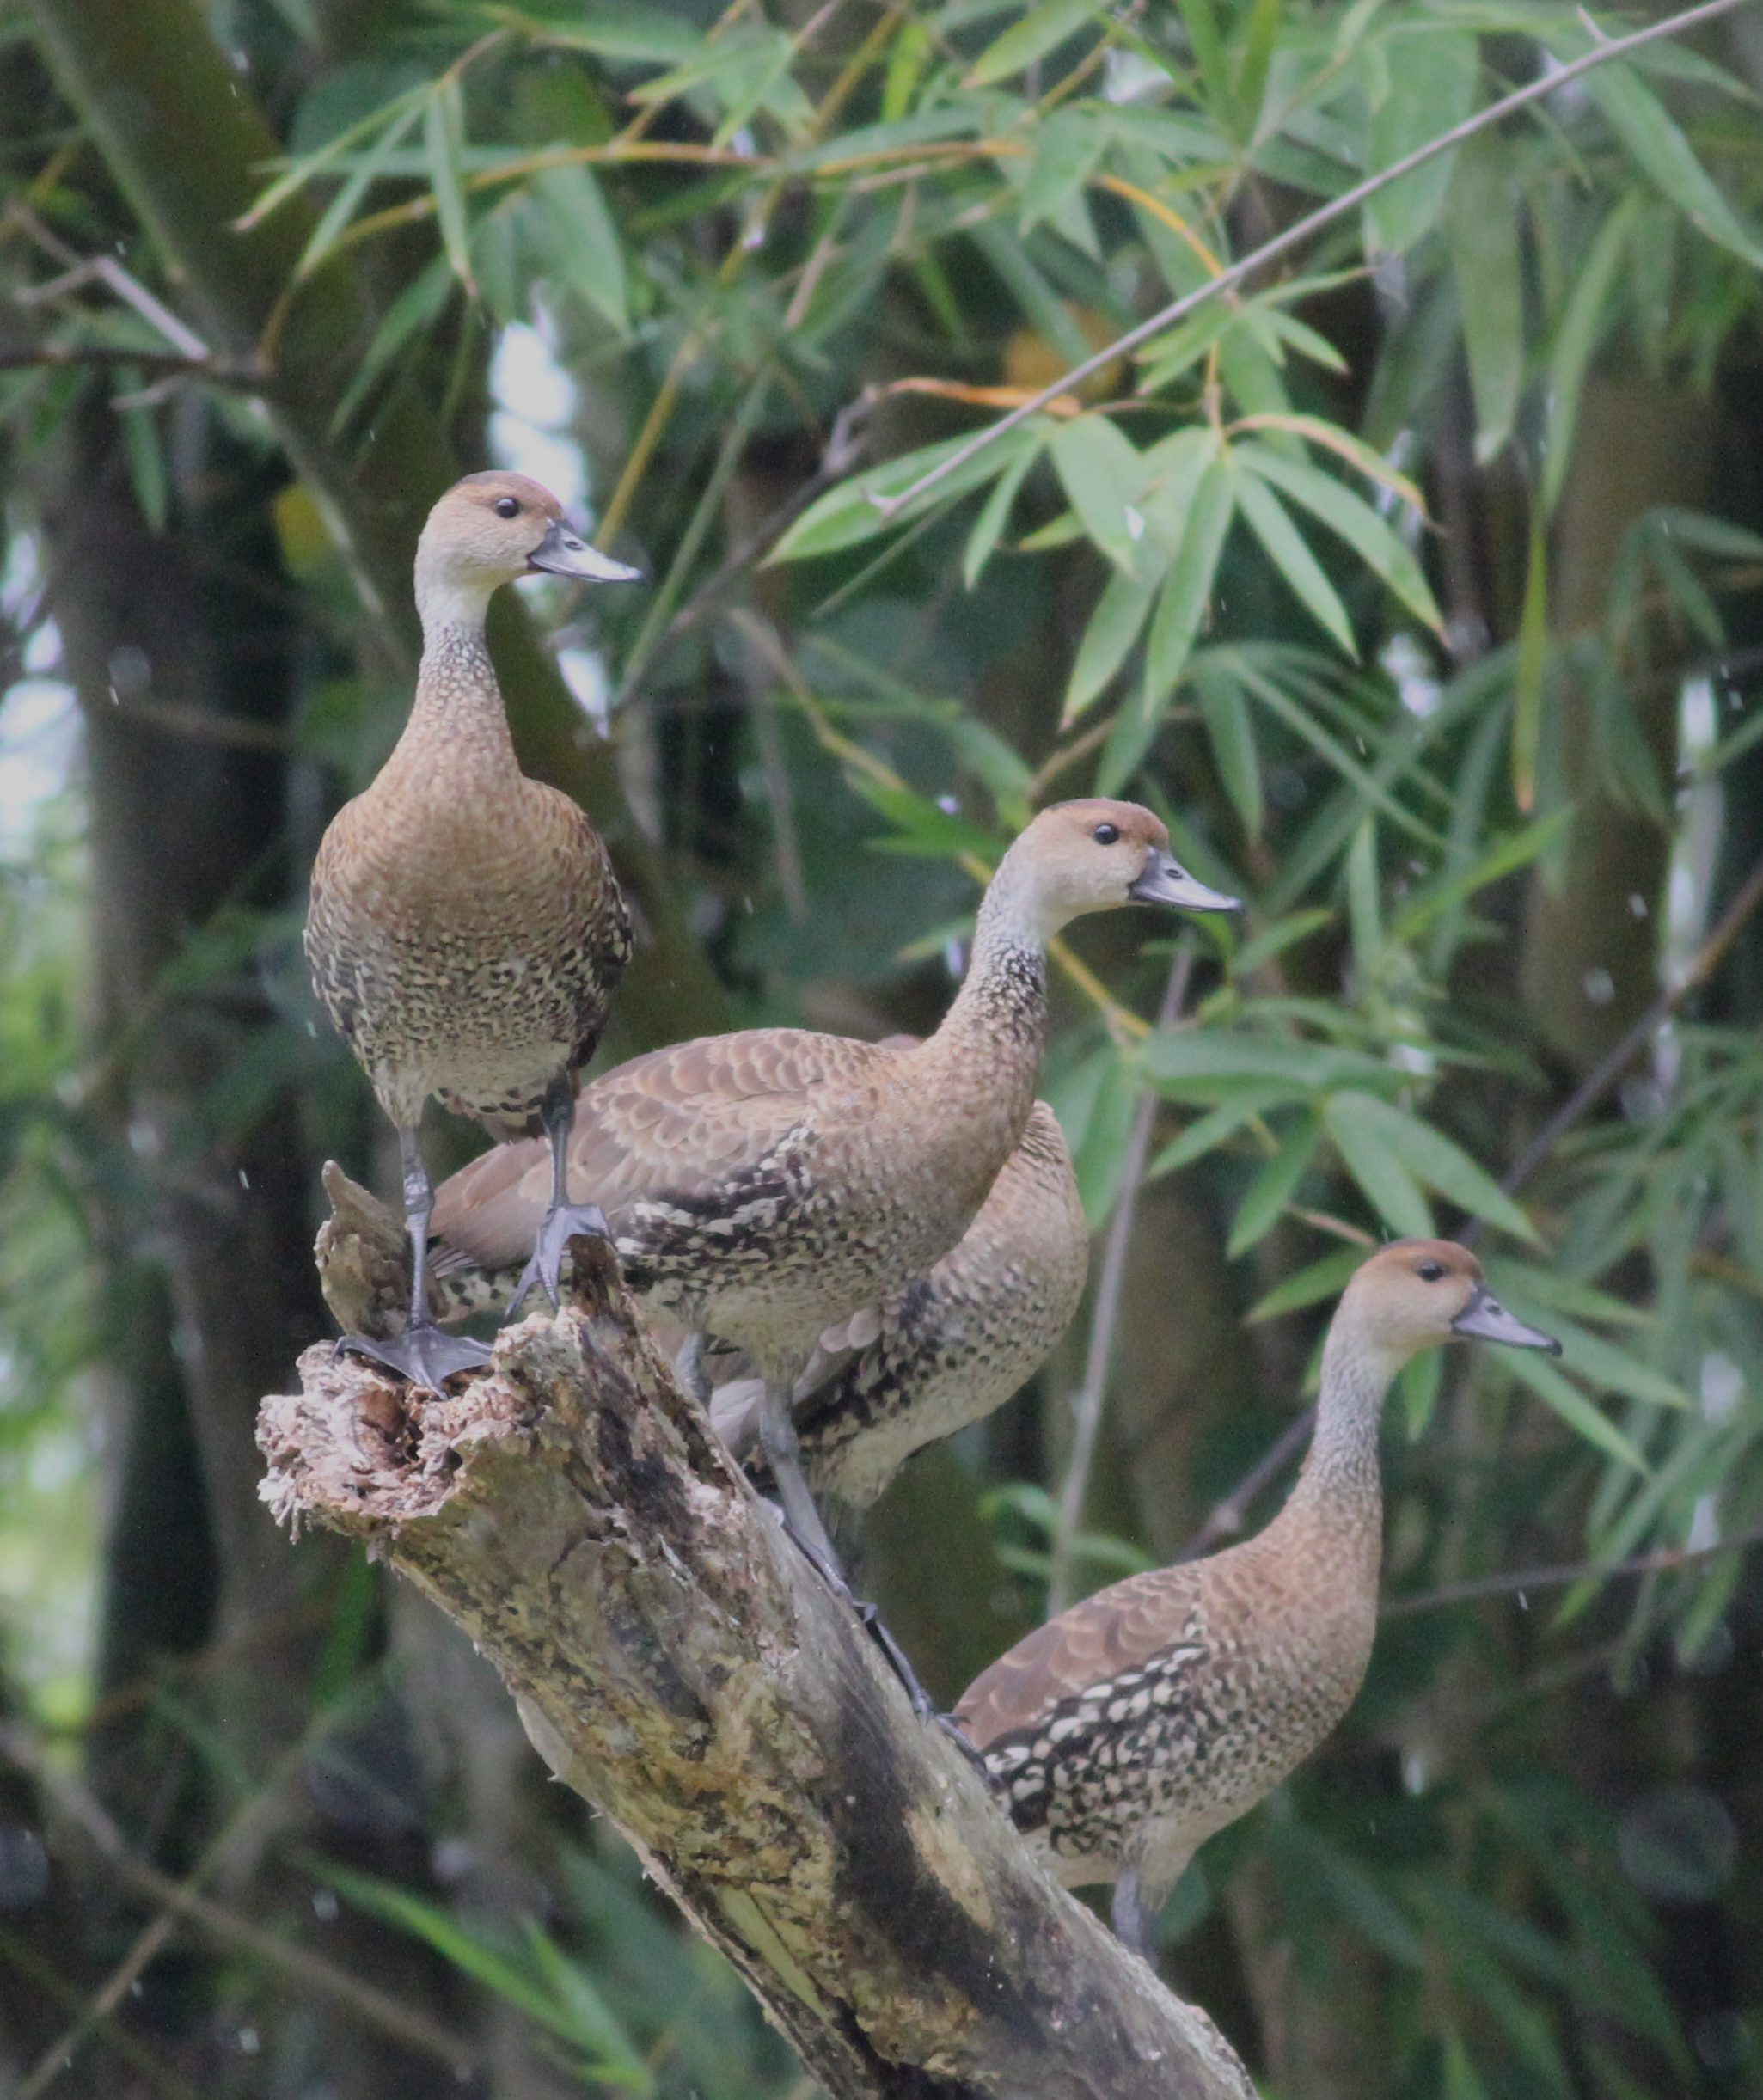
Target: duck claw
422	1354
545	1270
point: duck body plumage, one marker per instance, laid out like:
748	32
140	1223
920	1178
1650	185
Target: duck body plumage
759	1185
763	1186
945	1350
1142	1721
466	929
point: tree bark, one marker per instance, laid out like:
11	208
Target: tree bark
678	1664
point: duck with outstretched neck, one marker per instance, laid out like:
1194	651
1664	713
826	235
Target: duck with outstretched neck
761	1186
1122	1734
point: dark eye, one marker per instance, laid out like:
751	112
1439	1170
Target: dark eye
1431	1271
507	506
1105	834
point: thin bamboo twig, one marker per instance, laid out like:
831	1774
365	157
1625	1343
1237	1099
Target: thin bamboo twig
133	2051
844	447
246	1822
214	371
230	1929
1663	1560
1314	223
1086	1401
1616	1060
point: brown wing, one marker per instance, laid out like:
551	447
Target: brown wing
675	1122
1116	1629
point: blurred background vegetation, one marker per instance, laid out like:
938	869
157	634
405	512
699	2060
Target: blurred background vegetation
1417	580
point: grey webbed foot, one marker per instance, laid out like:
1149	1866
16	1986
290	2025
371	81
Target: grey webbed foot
567	1222
952	1728
422	1354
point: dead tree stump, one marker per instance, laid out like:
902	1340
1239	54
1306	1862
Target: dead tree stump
678	1663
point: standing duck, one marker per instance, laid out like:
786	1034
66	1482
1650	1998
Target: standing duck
938	1354
763	1186
465	928
945	1350
1127	1731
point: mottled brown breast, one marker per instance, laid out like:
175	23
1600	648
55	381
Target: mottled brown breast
676	1123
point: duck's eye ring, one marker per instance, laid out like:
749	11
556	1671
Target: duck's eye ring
507	506
1431	1271
1105	834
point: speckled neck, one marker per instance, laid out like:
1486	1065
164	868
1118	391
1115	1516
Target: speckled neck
987	1055
1341	1470
458	721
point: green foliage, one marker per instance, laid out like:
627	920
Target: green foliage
1207	576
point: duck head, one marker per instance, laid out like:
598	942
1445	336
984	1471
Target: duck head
486	530
1093	855
1414	1293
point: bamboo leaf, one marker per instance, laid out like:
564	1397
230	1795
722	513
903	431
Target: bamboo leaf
1362	1138
1354	451
1565	1400
1181	606
1432	72
1354	521
1218	1126
1659	148
1531	679
994	515
1270	1191
1285	548
443	149
1575	340
1320	1279
587	255
1039	31
1225	712
1103	473
1434	1158
342	208
851	513
1113	628
1482	216
415	308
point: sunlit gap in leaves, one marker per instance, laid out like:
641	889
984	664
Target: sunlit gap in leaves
532	432
49	1515
39	722
1689	883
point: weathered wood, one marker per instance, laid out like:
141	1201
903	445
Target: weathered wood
676	1662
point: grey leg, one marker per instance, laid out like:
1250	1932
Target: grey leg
778	1440
688	1367
1126	1915
422	1353
564	1221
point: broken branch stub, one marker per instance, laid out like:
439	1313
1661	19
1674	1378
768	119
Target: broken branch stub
677	1661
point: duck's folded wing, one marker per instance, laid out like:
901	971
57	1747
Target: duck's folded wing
676	1123
1117	1629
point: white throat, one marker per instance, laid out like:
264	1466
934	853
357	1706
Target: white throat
448	601
1015	913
